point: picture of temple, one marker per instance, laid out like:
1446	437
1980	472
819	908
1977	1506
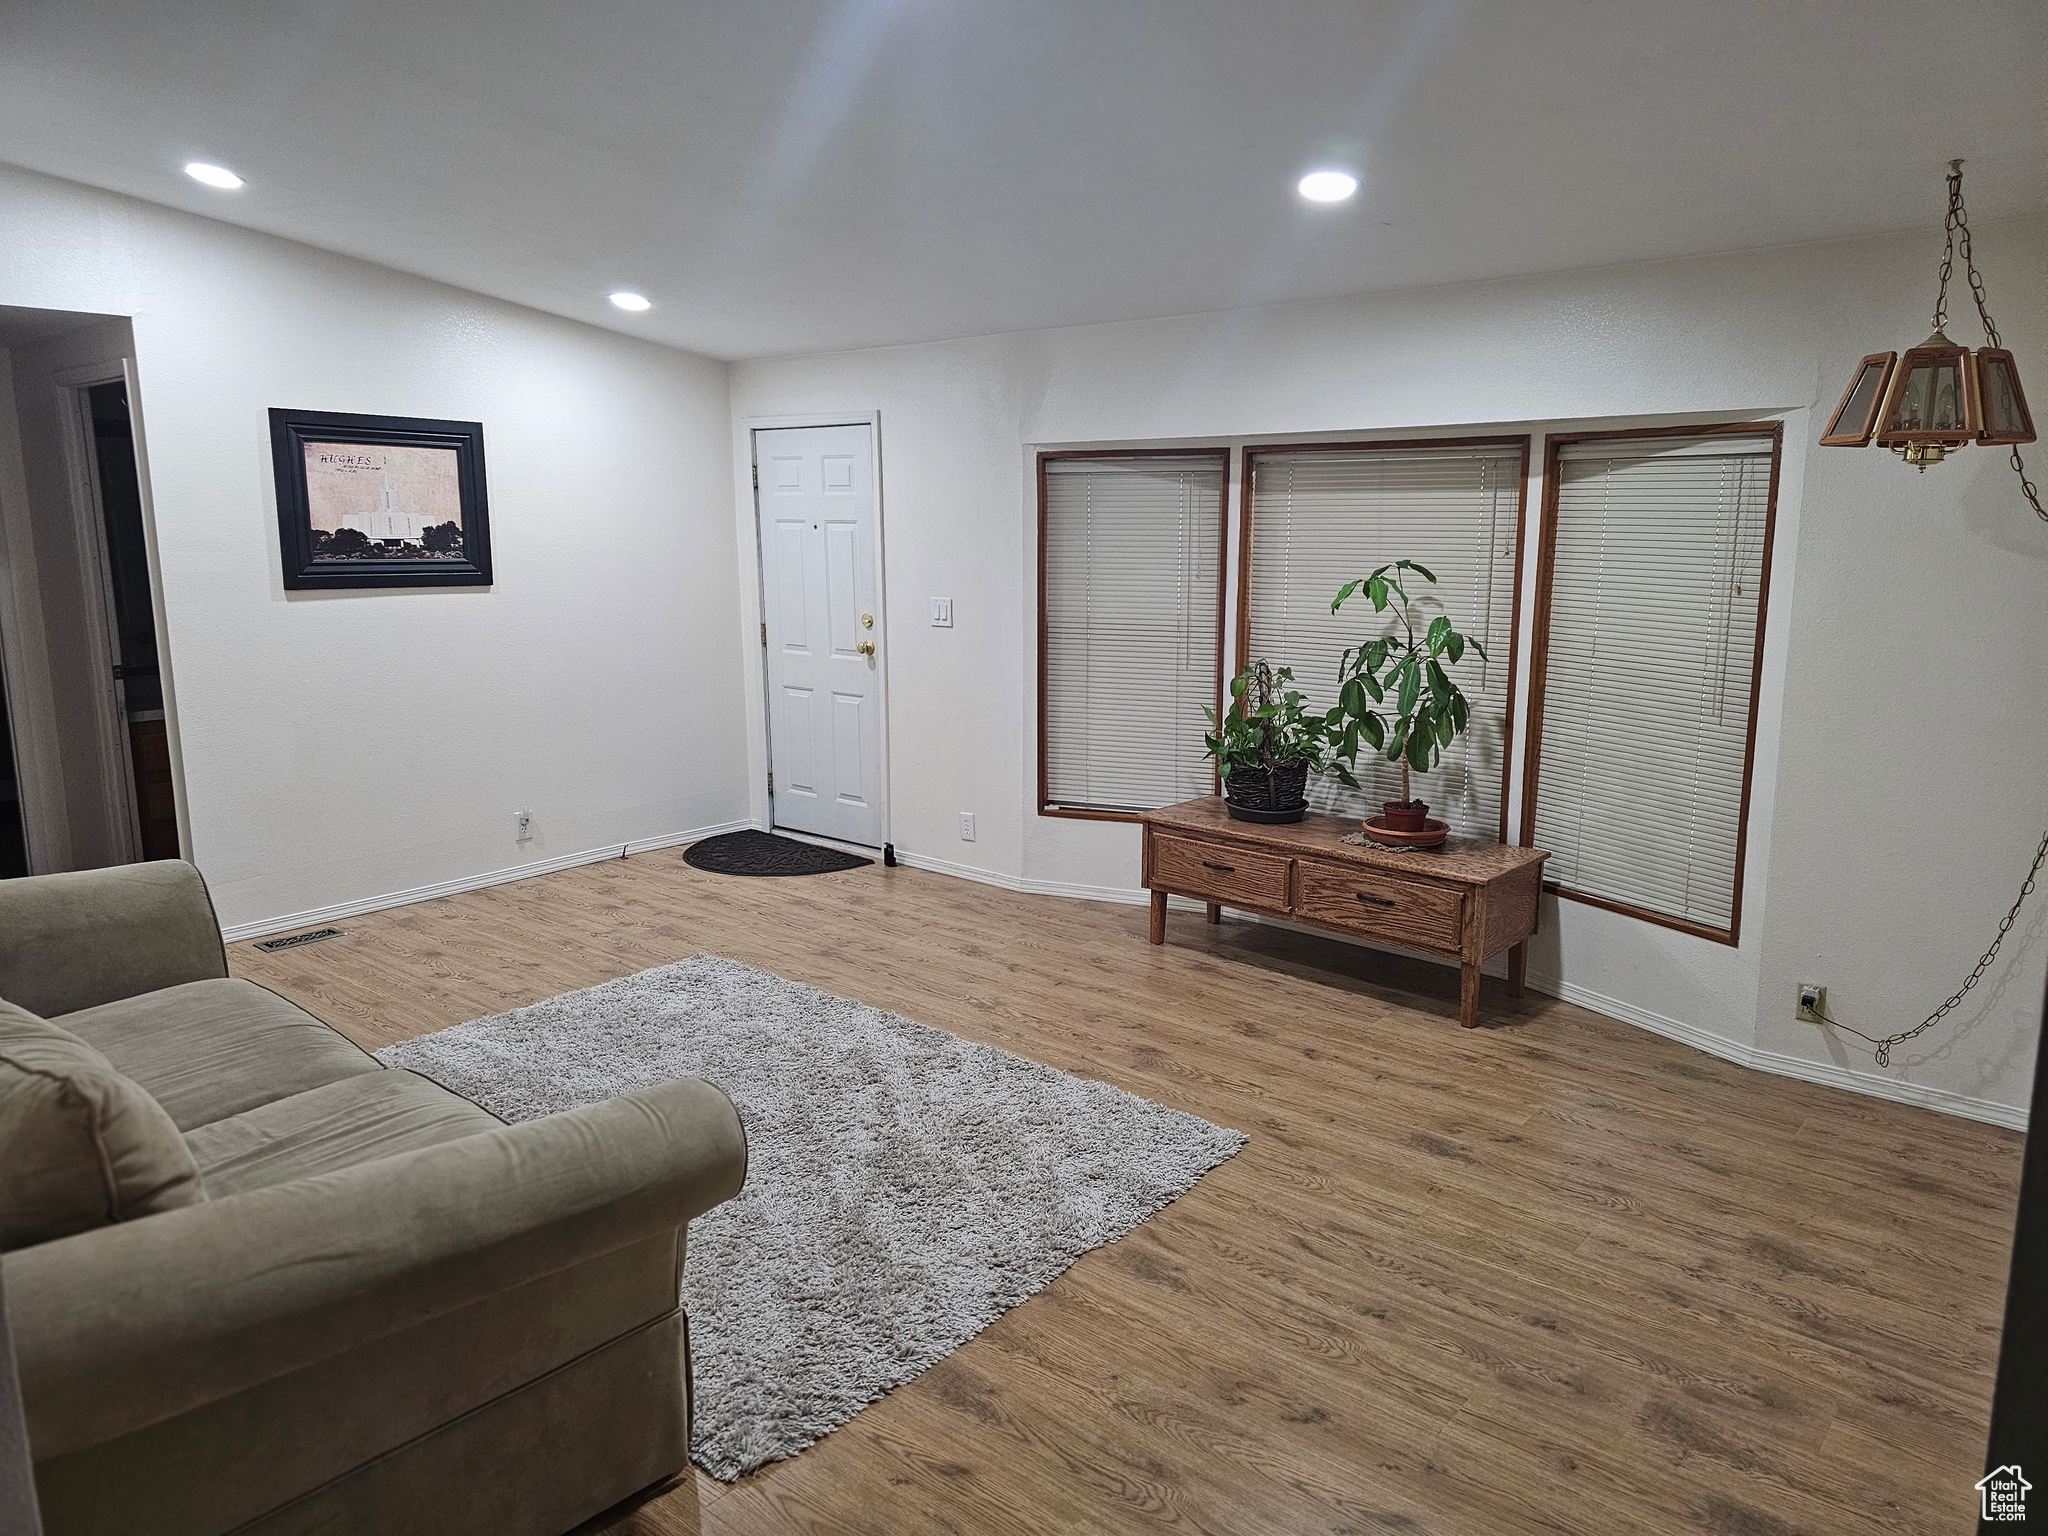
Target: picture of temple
388	524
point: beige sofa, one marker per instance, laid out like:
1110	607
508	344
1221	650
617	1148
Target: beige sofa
259	1283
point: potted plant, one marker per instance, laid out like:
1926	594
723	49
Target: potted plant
1395	695
1267	744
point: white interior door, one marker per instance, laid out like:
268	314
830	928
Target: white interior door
816	504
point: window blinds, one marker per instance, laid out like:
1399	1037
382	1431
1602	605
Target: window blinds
1320	518
1132	596
1657	575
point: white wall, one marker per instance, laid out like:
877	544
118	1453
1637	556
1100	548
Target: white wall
341	747
1904	636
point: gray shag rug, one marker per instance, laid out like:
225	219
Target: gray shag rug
905	1187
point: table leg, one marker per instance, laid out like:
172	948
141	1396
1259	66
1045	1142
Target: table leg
1518	963
1215	911
1159	917
1468	995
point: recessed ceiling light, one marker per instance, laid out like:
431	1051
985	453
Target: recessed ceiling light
213	175
1327	186
633	301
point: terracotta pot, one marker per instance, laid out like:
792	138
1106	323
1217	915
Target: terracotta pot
1404	815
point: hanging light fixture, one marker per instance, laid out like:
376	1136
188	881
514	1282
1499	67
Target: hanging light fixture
1939	396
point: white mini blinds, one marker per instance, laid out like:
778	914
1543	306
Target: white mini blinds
1131	595
1658	556
1322	516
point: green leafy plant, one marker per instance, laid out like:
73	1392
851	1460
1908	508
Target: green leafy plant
1268	725
1393	693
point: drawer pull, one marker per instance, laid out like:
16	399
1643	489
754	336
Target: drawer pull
1228	869
1378	901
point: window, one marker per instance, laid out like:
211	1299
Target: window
1131	638
1650	611
1319	516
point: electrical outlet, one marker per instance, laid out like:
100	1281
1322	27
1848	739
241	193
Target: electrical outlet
1813	1003
942	613
522	822
967	826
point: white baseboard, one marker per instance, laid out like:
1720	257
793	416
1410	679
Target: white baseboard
284	924
649	844
1825	1073
1123	896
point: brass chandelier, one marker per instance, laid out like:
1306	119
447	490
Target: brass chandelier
1940	396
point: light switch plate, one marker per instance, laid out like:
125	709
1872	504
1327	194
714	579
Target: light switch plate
942	613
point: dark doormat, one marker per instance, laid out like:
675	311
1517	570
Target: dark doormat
763	853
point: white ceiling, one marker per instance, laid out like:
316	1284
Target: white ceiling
814	174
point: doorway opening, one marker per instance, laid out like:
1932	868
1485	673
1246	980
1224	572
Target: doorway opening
87	722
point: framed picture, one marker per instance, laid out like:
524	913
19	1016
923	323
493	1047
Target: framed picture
380	501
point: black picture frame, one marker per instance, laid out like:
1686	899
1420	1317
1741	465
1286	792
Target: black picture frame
291	431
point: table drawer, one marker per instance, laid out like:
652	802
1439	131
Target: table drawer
1384	906
1221	874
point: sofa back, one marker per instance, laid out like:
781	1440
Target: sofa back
75	941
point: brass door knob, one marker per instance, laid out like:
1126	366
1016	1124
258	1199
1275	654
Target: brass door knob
865	647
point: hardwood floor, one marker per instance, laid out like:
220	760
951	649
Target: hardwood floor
1550	1275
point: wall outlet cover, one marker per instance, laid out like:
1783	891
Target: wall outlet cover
1813	1003
522	822
967	826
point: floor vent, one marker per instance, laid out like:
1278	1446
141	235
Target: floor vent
294	940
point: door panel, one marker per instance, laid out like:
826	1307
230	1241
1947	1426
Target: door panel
849	764
792	612
817	508
842	595
799	737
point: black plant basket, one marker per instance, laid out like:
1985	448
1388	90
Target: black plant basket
1276	794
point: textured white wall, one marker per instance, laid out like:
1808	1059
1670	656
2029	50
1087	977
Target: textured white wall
1905	622
342	746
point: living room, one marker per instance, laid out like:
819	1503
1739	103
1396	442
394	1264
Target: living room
1064	369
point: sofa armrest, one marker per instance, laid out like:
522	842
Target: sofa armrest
75	941
127	1325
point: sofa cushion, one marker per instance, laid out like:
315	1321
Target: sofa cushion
80	1145
210	1049
370	1115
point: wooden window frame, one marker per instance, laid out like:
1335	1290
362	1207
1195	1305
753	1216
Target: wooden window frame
1245	547
1539	662
1046	805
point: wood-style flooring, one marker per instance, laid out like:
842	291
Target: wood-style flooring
1550	1275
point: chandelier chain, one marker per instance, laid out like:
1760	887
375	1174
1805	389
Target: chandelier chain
1956	229
2027	487
1884	1046
1948	244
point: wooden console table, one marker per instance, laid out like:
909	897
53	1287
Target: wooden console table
1465	901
